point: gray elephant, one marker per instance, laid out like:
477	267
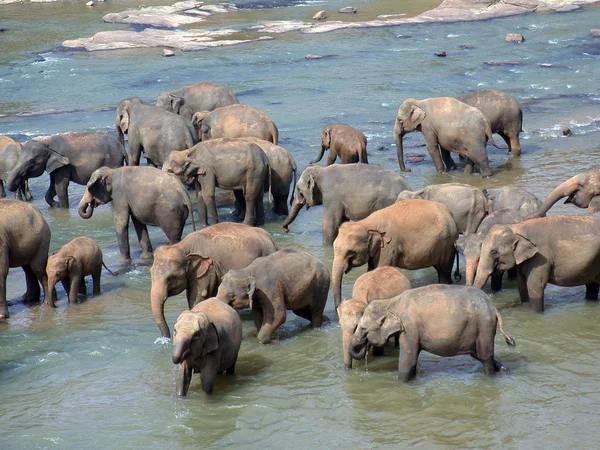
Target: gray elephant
582	190
448	125
410	234
466	203
266	286
560	250
443	320
207	339
235	121
383	282
147	195
346	191
24	242
227	164
153	131
504	113
188	100
66	157
198	263
9	155
344	141
514	198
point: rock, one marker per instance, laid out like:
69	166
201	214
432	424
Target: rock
311	56
348	10
404	36
494	62
467	46
515	37
567	131
90	3
321	15
167	52
440	54
595	32
414	157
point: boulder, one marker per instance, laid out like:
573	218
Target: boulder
440	54
311	56
90	3
321	15
515	37
348	10
167	52
595	32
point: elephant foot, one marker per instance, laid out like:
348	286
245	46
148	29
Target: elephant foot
147	255
28	298
4	315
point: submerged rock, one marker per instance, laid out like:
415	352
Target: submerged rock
311	56
440	54
515	37
167	52
494	62
348	10
595	32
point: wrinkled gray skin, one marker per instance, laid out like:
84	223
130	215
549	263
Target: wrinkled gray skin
153	131
470	246
230	164
560	250
504	113
346	191
235	121
448	125
513	198
344	141
443	320
283	172
188	100
288	279
66	157
383	282
24	242
9	155
146	195
198	263
466	203
207	339
582	190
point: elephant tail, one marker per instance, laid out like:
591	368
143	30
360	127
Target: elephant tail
270	187
457	275
488	134
510	341
274	133
295	170
190	209
109	271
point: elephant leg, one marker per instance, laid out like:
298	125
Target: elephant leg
75	282
535	284
447	158
280	206
469	166
250	216
259	206
208	197
591	291
96	275
2	191
66	283
512	273
134	151
121	221
4	263
272	319
499	367
257	316
183	380
231	369
50	193
407	359
26	191
208	373
481	159
307	313
82	288
143	238
444	270
497	280
240	204
515	144
333	216
506	139
61	185
33	286
202	213
331	157
484	352
431	143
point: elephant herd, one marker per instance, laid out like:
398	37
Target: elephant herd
200	137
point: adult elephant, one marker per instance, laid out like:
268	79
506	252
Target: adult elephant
344	141
66	157
512	198
448	125
582	190
188	100
235	121
153	131
504	113
410	234
198	263
147	195
9	155
24	242
346	191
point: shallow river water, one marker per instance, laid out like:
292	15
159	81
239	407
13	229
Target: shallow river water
94	374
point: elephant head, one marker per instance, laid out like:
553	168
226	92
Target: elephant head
307	193
409	118
236	289
350	311
470	247
325	143
123	117
180	164
201	122
35	157
376	325
57	269
582	190
354	246
409	194
98	191
170	102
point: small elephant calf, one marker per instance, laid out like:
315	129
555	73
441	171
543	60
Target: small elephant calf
285	280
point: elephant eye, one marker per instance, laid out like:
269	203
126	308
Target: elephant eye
231	296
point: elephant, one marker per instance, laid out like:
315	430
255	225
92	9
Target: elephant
198	263
410	234
283	172
9	155
470	245
344	141
504	113
228	164
66	157
346	191
188	100
24	242
153	131
443	320
146	195
266	285
383	282
207	339
80	257
560	250
466	203
235	121
448	125
583	190
513	198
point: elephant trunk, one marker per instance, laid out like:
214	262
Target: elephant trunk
86	205
13	180
337	271
158	297
398	136
471	270
481	277
321	153
181	349
50	291
295	209
358	347
346	341
565	189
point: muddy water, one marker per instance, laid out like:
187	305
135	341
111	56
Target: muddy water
95	375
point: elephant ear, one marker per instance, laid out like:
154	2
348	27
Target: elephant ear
56	161
389	324
376	234
251	287
211	341
97	185
594	205
310	187
198	265
326	138
176	104
417	115
523	249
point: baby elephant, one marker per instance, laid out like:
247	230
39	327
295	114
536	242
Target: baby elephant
443	320
207	339
344	141
285	280
383	282
76	259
